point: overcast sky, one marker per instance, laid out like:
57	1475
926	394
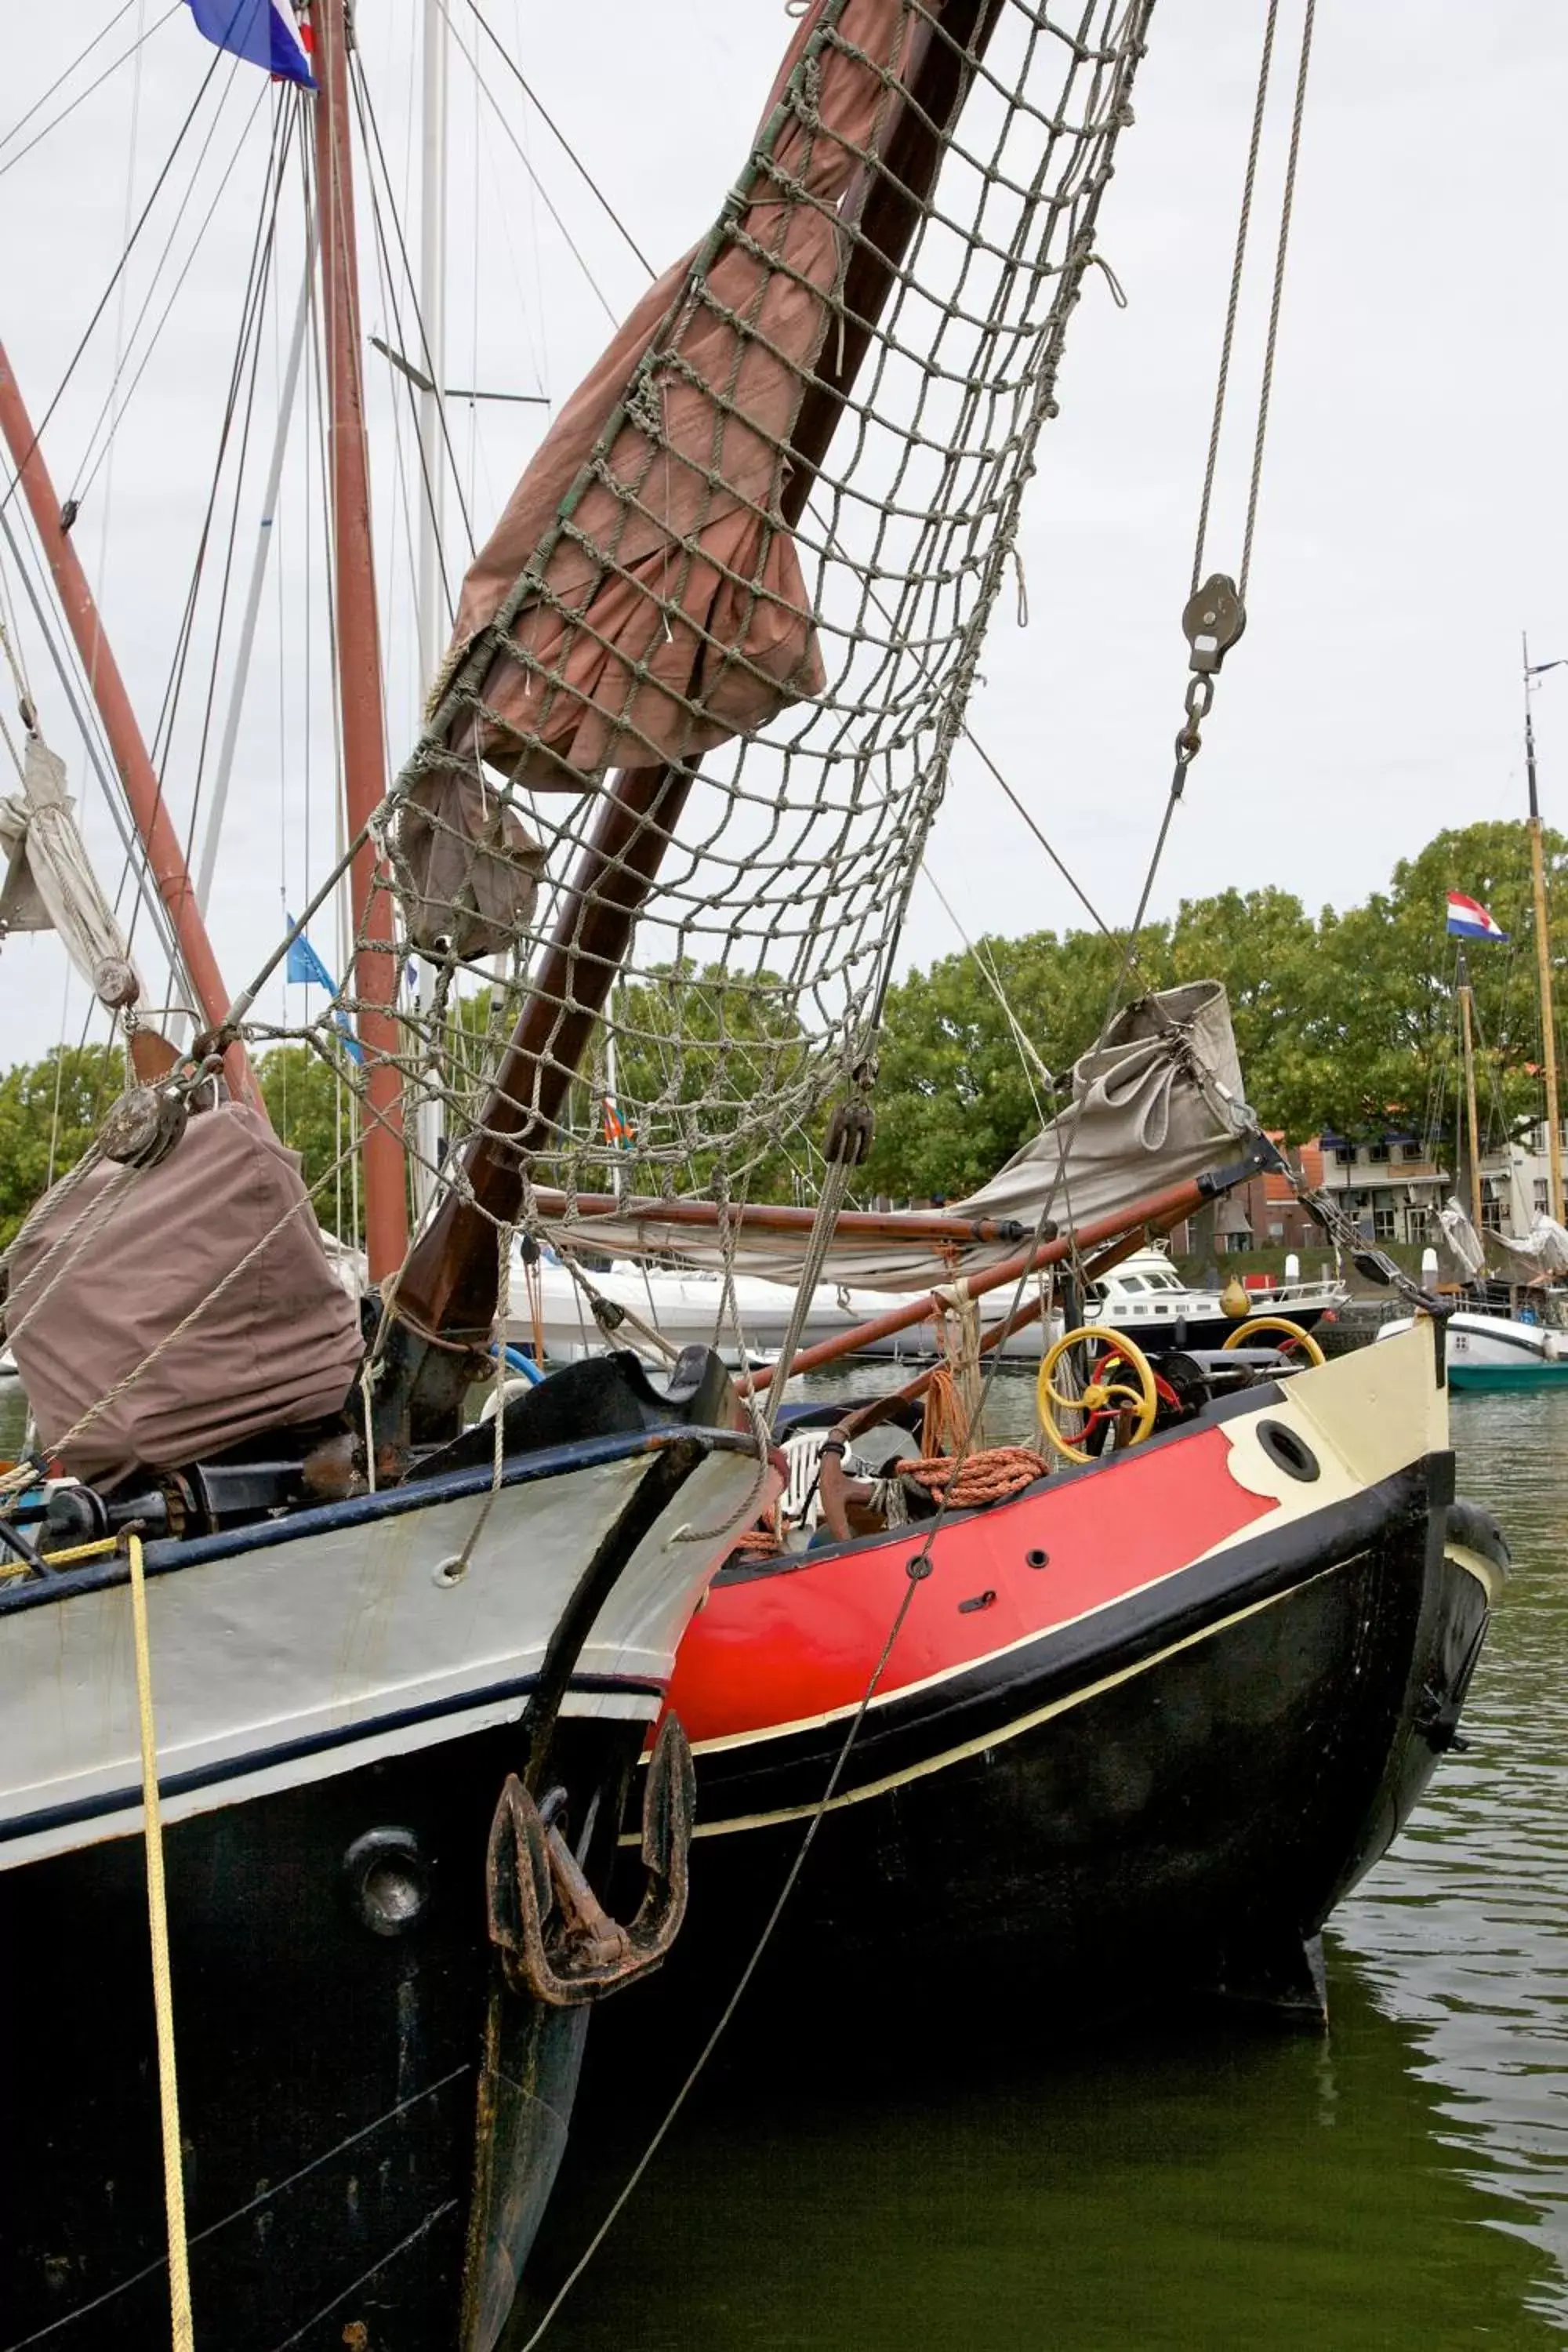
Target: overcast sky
1415	495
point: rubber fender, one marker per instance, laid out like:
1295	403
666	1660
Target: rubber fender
1475	1529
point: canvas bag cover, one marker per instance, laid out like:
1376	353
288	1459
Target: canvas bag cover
143	1249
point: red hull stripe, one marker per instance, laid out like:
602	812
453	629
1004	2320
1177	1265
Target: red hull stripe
772	1650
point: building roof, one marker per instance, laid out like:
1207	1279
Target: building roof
1308	1158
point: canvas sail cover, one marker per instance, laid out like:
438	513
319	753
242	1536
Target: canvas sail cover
668	611
135	1348
1544	1249
49	882
1159	1101
468	868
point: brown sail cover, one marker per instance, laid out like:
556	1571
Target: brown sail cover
139	1251
468	868
674	557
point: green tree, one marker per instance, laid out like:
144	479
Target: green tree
312	1111
50	1111
1264	946
701	1049
1386	1008
954	1096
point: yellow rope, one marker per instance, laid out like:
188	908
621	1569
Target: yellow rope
82	1551
162	1990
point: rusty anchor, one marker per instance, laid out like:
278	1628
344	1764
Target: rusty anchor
554	1939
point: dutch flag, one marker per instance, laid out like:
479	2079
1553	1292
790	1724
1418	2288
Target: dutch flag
268	32
1468	919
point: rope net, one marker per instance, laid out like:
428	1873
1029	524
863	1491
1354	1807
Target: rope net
707	673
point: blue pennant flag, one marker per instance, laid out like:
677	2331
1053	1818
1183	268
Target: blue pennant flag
305	966
266	32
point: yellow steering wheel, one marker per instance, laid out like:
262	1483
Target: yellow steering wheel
1294	1339
1100	1399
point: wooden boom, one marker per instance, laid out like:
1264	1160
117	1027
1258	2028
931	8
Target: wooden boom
1176	1202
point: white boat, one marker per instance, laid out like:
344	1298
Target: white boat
1498	1351
553	1308
1146	1297
688	1307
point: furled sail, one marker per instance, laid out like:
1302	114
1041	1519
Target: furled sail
1159	1099
49	882
670	611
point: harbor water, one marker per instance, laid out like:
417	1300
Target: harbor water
1400	2183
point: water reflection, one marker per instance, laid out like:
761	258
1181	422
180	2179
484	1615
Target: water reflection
1224	2190
1463	1932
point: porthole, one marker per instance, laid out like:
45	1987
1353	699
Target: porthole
1288	1451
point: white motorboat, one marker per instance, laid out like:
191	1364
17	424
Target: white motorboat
552	1310
1145	1296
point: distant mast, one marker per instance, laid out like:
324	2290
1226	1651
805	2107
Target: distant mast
358	653
1542	951
435	619
1471	1131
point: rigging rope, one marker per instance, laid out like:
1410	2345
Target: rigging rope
163	1983
482	88
557	134
115	275
173	9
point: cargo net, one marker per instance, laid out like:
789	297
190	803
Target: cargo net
695	723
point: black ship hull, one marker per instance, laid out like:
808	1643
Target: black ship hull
1183	1831
327	2070
1140	1729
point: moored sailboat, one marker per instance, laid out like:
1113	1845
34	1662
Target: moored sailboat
389	1672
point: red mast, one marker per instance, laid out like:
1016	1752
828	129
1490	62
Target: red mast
143	788
359	650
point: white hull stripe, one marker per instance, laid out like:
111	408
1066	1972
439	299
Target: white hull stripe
371	1731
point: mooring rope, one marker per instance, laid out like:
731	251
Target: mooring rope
184	2330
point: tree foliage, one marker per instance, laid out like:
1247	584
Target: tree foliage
1344	1021
48	1112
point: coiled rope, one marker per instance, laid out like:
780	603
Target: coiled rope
966	1483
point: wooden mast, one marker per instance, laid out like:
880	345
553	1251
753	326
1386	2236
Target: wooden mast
1543	958
1472	1124
448	1293
143	785
358	651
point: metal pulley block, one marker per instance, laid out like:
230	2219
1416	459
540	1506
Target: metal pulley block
115	985
1212	621
143	1127
851	1129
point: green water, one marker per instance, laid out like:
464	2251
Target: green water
1403	2183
